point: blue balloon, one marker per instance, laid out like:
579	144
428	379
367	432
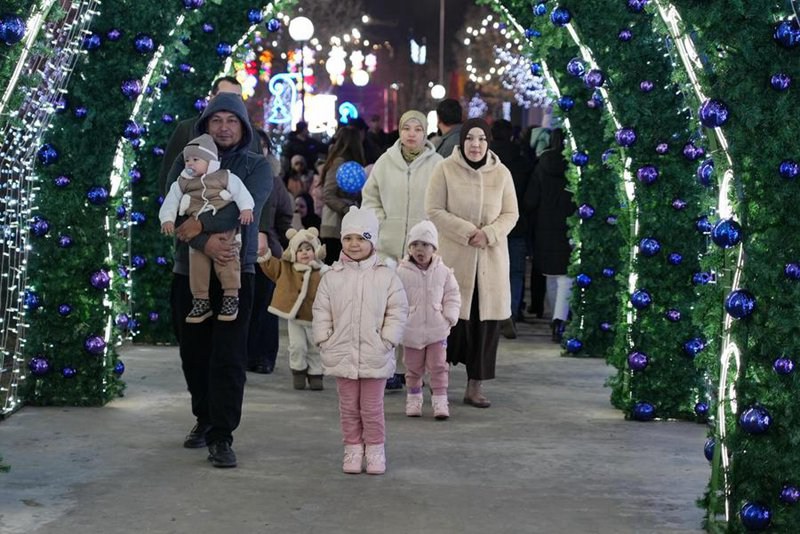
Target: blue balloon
350	177
649	247
644	411
713	113
755	420
641	299
740	304
755	516
726	233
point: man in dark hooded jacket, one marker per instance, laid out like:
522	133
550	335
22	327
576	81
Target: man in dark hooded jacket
214	353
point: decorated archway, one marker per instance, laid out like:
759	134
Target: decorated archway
686	258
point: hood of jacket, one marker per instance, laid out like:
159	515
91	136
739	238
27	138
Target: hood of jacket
232	103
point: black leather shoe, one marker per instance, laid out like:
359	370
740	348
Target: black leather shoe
196	438
220	454
262	369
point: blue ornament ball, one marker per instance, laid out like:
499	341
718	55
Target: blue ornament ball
254	16
662	148
755	420
122	320
80	112
47	154
193	4
536	69
119	368
740	304
350	177
273	25
121	212
673	315
608	272
133	324
585	211
790	494
644	411
32	300
638	361
594	78
560	16
678	204
143	43
97	195
675	258
611	220
131	130
530	33
625	137
637	6
755	516
703	225
583	280
576	67
783	365
606	327
64	309
158	151
780	81
39	366
123	271
69	372
94	344
207	27
92	42
153	316
694	346
649	247
792	271
787	33
701	279
708	449
701	409
64	241
167	118
692	152
200	104
566	103
641	299
606	156
40	226
100	279
646	86
135	175
224	49
61	105
580	159
138	261
12	29
713	113
113	35
573	345
705	171
131	88
647	174
137	217
789	169
540	9
161	260
726	233
625	35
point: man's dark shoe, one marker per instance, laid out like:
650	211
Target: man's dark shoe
262	369
196	439
220	454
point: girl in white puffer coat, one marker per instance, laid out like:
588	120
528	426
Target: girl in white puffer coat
434	303
359	315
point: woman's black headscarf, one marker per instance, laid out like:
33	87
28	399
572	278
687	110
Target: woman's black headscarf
465	128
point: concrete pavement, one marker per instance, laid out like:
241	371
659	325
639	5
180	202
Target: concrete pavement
550	456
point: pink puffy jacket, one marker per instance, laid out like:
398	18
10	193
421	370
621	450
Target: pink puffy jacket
359	316
433	302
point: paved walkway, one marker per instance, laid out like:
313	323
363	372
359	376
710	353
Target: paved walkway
550	456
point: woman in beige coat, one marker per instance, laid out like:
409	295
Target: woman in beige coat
472	202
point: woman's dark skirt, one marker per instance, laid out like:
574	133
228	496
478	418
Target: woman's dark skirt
474	343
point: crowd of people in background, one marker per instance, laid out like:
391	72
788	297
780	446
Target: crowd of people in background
469	210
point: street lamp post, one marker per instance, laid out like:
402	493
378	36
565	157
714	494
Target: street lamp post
301	29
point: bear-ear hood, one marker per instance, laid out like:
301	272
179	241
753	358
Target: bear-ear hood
232	103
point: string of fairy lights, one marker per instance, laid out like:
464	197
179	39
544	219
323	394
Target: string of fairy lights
57	48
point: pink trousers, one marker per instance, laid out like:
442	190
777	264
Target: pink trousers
433	358
361	410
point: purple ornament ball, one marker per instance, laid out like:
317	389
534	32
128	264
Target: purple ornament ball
560	16
100	279
787	34
662	149
755	420
153	316
92	42
644	411
701	409
131	88
193	4
625	137
64	241
647	174
678	204
62	181
161	260
624	35
694	346
636	6
790	494
708	449
606	327
113	35
158	151
673	315
32	300
649	247
783	366
64	309
47	154
701	279
580	159
705	171
566	103
200	104
12	29
638	361
122	321
94	344
139	262
97	195
727	233
646	86
69	372
703	225
40	226
207	27
780	81
792	271
713	113
575	67
143	43
594	78
39	366
80	112
740	304
641	299
585	211
755	516
608	272
224	49
254	16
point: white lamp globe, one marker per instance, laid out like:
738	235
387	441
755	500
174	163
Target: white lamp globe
360	78
335	65
301	29
438	91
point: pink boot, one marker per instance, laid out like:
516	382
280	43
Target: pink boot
440	407
353	459
376	459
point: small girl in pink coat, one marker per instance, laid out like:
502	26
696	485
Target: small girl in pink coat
359	315
434	302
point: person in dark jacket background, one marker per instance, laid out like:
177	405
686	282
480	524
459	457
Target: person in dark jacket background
550	202
510	154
